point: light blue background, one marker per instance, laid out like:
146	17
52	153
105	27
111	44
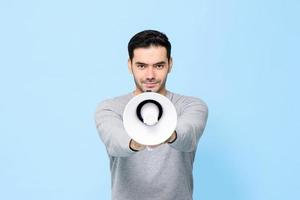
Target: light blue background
59	59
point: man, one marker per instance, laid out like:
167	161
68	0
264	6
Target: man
165	173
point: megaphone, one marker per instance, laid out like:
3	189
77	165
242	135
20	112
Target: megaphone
150	118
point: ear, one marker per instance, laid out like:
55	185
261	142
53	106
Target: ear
170	64
129	66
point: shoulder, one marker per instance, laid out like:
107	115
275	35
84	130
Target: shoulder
184	101
116	104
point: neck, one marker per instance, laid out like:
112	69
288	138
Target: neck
162	92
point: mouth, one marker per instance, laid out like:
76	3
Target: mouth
150	85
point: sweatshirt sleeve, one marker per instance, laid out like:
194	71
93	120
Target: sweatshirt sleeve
111	130
190	125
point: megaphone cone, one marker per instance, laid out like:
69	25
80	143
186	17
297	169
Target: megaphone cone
150	118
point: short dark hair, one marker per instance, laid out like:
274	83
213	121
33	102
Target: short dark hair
148	38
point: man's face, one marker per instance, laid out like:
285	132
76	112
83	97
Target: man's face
150	67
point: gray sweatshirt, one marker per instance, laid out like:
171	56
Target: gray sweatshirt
166	172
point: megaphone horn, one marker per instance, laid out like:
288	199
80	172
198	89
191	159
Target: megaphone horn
149	118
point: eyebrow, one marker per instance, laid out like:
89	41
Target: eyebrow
158	63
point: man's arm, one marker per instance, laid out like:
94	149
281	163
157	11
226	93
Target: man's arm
190	125
111	130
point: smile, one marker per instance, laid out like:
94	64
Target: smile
150	85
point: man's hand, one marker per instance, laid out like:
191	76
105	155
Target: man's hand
138	147
172	138
135	146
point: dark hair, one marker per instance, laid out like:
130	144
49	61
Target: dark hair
148	38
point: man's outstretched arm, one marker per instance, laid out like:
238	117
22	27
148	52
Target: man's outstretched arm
111	130
190	125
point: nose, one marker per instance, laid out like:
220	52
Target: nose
150	73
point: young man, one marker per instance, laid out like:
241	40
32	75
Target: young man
165	173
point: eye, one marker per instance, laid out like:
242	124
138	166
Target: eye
159	66
140	66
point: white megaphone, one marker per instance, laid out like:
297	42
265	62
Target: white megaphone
150	118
